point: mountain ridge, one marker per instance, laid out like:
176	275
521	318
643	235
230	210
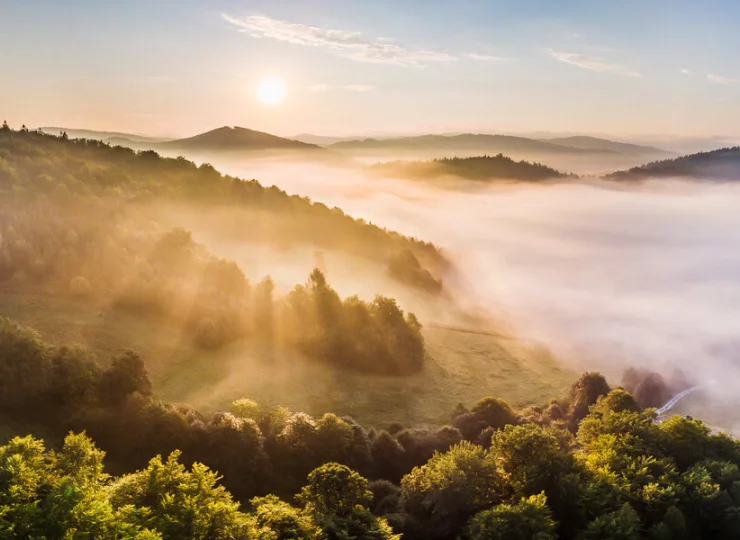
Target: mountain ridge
477	141
722	164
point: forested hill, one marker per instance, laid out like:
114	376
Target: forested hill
481	168
35	166
231	139
718	165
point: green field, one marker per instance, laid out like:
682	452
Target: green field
462	366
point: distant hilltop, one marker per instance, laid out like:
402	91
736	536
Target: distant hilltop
717	165
479	168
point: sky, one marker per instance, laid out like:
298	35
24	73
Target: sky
351	67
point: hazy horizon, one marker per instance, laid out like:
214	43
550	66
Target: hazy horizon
175	69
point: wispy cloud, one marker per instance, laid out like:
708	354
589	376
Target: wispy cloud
340	42
486	57
685	71
347	87
593	63
718	79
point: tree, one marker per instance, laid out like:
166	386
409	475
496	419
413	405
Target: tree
284	521
179	503
74	380
529	458
45	494
530	519
334	489
333	439
25	368
584	393
623	524
338	498
687	440
388	457
126	375
618	400
450	488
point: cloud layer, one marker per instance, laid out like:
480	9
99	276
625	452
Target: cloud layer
486	57
340	42
592	63
722	80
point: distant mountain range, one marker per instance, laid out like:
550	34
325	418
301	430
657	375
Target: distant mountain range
578	153
604	145
472	142
507	144
717	165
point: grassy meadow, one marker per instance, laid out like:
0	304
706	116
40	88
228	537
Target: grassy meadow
461	366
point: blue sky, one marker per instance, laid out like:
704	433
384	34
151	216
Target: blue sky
177	67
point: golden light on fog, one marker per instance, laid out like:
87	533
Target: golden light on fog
271	91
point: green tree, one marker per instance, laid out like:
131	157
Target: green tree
338	498
623	524
529	458
530	519
283	521
450	488
179	503
126	375
334	489
584	393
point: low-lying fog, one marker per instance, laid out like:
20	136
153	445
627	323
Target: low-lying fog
607	276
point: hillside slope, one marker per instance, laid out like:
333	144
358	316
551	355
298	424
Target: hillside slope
718	165
34	166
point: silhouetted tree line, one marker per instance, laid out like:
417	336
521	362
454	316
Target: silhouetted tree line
405	267
479	168
53	178
592	465
720	164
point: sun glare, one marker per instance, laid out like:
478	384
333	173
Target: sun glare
271	91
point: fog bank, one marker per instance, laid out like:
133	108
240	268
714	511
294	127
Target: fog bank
607	276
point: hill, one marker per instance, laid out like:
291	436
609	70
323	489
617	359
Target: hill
88	174
595	143
479	142
718	165
480	169
235	139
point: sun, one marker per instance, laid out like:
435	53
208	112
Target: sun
271	91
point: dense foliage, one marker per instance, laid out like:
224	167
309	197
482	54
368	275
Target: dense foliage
480	168
720	164
590	465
